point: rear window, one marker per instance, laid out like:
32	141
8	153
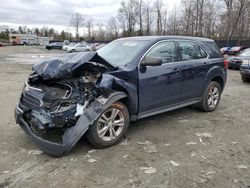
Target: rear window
213	49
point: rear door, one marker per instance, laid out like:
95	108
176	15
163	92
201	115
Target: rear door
195	65
159	86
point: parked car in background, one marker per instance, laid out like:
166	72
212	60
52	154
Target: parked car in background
99	93
66	42
54	45
97	46
245	67
224	50
235	50
80	47
2	44
65	47
234	62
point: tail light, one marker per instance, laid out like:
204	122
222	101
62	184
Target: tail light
226	63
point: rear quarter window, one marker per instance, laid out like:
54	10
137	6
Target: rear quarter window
212	48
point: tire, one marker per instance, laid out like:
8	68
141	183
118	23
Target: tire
211	97
244	79
101	133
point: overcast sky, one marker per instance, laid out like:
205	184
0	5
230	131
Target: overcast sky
57	13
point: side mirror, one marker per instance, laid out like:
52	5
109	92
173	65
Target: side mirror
151	61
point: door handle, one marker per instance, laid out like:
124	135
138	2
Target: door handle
175	69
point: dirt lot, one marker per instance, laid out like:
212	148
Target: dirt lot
183	148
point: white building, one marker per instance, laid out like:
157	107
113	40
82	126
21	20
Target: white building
28	39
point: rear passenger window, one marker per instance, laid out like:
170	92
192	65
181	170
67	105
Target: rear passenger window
164	50
191	50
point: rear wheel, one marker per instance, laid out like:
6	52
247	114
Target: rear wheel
211	97
110	127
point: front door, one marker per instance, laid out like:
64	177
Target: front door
159	86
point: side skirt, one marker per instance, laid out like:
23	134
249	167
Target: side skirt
168	108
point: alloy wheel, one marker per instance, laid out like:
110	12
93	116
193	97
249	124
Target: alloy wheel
110	124
213	97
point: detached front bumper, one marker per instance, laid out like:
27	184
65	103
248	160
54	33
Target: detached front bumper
52	148
71	134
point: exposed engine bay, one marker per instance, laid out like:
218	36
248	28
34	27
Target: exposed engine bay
58	102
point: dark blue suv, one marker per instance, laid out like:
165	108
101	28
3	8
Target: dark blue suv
99	93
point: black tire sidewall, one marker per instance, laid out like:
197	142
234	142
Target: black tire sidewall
93	136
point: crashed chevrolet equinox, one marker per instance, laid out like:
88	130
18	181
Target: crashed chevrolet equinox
97	94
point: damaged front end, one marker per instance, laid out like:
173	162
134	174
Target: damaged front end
62	98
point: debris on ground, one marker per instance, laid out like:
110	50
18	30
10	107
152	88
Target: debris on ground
168	144
124	142
175	164
91	160
35	152
148	147
183	121
193	154
73	159
125	156
92	151
148	170
206	135
234	143
191	143
242	166
5	172
210	172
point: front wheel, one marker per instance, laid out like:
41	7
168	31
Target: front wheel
110	127
211	97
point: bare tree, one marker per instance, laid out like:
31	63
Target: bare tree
77	21
229	6
101	32
241	5
140	17
113	27
128	13
188	17
89	25
149	18
158	8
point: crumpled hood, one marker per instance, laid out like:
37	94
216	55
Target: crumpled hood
67	65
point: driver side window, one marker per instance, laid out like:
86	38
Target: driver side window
164	50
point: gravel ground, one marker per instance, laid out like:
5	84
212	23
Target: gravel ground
183	148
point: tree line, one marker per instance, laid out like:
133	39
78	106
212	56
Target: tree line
217	19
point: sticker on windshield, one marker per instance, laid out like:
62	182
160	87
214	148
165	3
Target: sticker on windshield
129	44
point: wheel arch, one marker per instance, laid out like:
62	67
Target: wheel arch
219	80
218	75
